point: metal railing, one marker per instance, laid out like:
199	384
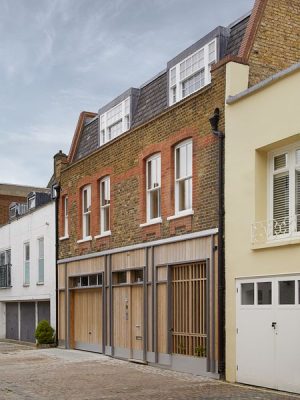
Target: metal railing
5	276
275	229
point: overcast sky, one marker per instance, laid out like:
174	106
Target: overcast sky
60	57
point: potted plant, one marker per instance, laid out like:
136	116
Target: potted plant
44	335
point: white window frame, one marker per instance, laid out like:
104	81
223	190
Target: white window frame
26	264
291	167
178	212
66	216
157	159
105	125
86	214
104	207
41	261
175	85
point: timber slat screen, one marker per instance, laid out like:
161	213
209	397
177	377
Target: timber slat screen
189	309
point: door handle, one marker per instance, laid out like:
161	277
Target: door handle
90	333
274	325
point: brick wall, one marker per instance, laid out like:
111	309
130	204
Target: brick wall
124	160
277	42
5	201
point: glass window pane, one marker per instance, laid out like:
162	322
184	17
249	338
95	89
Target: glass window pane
177	155
280	161
182	195
76	281
106	219
99	279
93	281
84	281
189	159
247	293
87	225
154	204
264	293
281	204
287	292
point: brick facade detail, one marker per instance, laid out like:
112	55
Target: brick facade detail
124	160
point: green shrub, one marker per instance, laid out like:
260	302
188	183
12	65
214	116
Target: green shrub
44	333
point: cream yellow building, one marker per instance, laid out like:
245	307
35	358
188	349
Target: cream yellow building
262	229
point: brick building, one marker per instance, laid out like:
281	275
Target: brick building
139	206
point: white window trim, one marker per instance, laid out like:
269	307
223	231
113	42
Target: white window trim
66	217
125	119
24	260
87	239
103	207
38	251
291	168
207	75
153	221
181	214
188	211
148	192
105	234
88	189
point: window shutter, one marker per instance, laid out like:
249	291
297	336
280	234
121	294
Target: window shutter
297	199
281	204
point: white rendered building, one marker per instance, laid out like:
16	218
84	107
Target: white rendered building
27	268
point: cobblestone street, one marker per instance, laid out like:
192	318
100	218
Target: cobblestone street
32	374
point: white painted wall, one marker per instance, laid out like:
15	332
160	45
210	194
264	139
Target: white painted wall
29	228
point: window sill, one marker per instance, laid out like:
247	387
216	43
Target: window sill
5	287
26	284
181	214
87	239
40	283
151	222
64	238
276	243
104	234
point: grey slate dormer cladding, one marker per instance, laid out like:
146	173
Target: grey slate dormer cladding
152	98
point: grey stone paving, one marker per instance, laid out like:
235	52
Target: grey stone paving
68	374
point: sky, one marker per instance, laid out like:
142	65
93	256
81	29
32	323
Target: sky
61	57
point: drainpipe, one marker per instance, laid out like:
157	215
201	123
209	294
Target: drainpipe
55	196
214	122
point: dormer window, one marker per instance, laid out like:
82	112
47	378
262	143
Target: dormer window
115	121
192	73
31	202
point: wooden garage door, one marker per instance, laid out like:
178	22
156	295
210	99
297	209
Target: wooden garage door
87	312
12	324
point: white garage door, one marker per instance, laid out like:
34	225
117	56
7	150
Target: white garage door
268	332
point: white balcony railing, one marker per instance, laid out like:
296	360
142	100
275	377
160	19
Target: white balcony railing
275	229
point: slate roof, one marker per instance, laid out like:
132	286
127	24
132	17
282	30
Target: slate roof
237	32
88	140
152	98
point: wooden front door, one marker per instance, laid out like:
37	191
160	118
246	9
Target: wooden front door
128	325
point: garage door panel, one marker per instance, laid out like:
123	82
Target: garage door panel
288	349
255	348
44	311
88	319
12	321
27	322
268	332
